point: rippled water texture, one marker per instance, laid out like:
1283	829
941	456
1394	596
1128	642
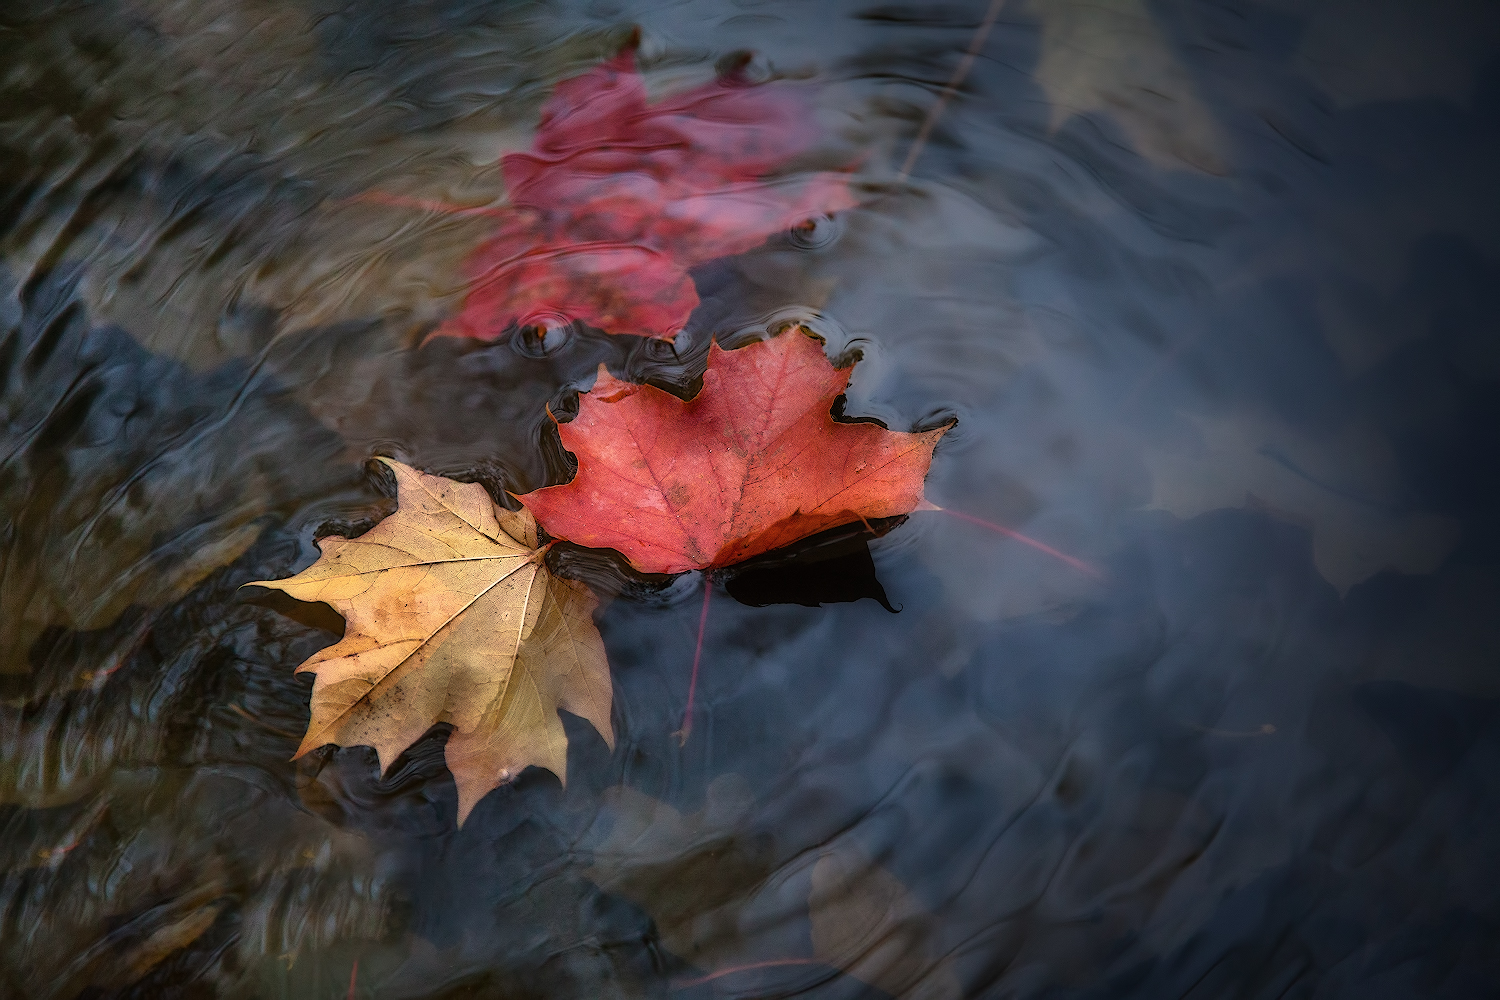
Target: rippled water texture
1204	285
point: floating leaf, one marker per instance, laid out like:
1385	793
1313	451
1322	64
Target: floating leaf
755	461
452	617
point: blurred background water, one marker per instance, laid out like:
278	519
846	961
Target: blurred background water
1204	283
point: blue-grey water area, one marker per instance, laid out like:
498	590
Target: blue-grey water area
1204	284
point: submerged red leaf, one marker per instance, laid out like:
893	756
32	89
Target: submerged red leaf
752	463
618	198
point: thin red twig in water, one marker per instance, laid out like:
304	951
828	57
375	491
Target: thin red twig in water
964	65
1077	564
353	975
687	715
720	973
423	204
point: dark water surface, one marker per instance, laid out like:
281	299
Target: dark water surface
1203	282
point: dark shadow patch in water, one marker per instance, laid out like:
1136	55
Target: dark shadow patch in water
831	567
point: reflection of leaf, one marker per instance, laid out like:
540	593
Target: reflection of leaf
755	461
691	873
865	922
452	617
1108	55
618	198
1343	487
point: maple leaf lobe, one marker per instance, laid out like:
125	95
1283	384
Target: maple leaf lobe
452	616
752	463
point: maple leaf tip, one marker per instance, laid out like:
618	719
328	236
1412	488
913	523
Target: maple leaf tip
609	389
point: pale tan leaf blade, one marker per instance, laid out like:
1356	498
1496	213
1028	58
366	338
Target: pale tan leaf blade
567	639
422	676
451	616
560	664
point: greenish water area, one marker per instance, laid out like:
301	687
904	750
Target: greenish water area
1191	688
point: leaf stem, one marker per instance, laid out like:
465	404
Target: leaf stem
687	715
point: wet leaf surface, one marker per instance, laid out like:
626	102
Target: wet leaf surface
452	617
753	462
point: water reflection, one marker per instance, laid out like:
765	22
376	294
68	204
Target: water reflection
1204	286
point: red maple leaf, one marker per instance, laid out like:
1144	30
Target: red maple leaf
618	198
755	461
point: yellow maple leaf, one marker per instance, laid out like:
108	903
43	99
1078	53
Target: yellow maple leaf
453	617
